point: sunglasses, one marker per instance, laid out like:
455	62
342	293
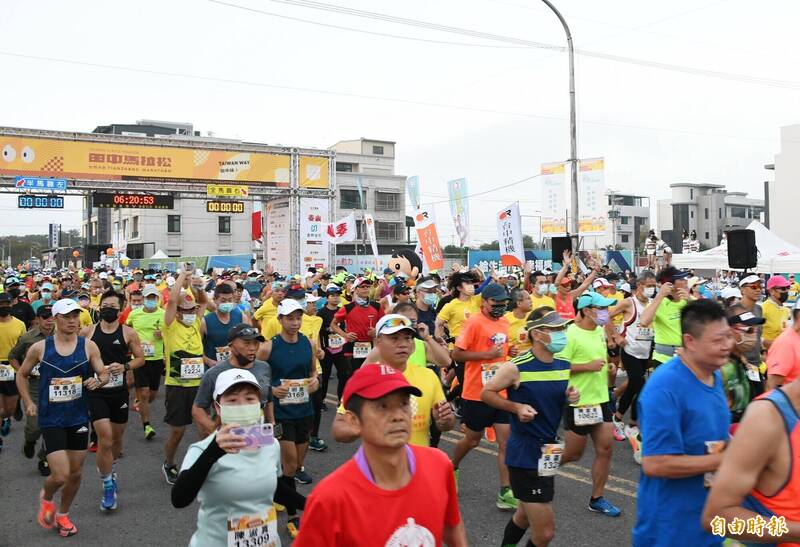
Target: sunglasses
396	322
250	331
745	329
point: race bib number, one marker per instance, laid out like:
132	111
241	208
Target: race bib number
223	353
191	368
298	392
114	380
6	373
259	530
588	415
149	349
644	335
335	341
64	390
752	374
550	459
488	370
712	447
361	350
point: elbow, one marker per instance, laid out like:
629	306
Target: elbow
458	355
651	467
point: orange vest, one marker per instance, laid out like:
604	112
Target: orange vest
564	307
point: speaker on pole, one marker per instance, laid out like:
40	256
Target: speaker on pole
560	244
742	251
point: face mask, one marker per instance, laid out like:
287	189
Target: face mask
150	304
240	414
14	293
431	299
747	342
558	341
650	292
5	311
361	301
189	319
227	307
783	297
118	288
241	359
498	310
109	315
467	289
602	317
46	295
542	288
137	306
553	288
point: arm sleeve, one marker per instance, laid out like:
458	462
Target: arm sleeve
483	286
195	470
661	430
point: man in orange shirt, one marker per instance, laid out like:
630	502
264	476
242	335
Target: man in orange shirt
483	347
783	359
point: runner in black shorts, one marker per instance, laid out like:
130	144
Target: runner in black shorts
109	406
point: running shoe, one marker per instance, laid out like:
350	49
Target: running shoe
278	507
506	499
149	432
92	447
318	445
65	527
619	428
44	469
302	477
170	473
635	438
602	505
490	434
29	449
5	427
47	512
135	406
293	527
109	501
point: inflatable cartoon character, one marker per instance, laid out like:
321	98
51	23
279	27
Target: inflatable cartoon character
405	264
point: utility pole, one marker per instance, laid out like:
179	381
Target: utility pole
573	132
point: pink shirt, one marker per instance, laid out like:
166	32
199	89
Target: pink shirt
783	357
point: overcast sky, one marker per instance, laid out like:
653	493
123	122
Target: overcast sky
458	106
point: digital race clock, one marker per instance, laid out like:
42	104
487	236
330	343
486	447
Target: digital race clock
133	201
219	206
40	201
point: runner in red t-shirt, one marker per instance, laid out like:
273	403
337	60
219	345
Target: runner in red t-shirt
360	318
389	493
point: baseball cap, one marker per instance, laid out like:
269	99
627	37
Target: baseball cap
494	291
288	305
427	282
44	311
331	289
746	318
550	320
694	281
11	281
401	288
566	281
670	274
374	381
103	275
777	282
65	306
594	300
296	292
150	290
231	377
47	287
749	280
392	323
730	292
170	281
311	298
625	287
185	301
5	297
387	271
361	280
601	282
245	332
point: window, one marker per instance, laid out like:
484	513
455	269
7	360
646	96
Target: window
386	201
135	228
739	212
625	220
377	150
224	225
706	235
349	199
706	212
125	228
344	167
389	230
624	238
174	224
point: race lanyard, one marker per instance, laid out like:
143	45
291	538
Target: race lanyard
259	530
588	415
64	390
298	391
191	368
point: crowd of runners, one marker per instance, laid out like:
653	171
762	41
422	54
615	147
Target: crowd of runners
693	377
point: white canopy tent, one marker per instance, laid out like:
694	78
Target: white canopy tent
774	254
160	254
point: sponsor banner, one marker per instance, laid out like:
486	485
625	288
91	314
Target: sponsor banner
277	241
459	208
412	188
509	234
314	172
343	230
425	224
369	222
313	242
357	263
592	200
554	199
47	157
230	190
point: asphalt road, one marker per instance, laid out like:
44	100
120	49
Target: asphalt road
146	517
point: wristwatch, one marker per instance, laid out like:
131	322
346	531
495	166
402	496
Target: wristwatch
126	366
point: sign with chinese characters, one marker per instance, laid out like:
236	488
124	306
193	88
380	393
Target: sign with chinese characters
343	230
33	183
370	224
425	224
509	234
230	190
277	241
554	199
459	207
592	201
313	222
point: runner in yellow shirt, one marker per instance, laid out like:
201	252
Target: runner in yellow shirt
269	309
773	309
518	342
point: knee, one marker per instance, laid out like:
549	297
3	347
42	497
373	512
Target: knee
472	441
546	533
603	450
58	478
75	476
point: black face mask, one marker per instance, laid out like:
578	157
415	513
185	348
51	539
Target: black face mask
241	359
5	311
498	310
109	315
783	297
14	293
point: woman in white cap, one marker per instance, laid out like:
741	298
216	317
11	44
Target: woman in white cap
234	472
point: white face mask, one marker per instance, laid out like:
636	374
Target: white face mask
650	292
542	288
189	318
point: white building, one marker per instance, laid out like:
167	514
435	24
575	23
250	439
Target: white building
628	218
783	193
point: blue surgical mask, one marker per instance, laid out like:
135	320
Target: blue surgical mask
150	304
227	307
431	299
602	317
558	341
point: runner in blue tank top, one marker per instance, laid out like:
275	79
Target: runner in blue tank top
536	384
66	366
215	326
294	378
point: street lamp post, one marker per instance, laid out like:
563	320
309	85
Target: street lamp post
573	130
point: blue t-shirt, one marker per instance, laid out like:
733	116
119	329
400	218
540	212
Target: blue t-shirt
678	414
